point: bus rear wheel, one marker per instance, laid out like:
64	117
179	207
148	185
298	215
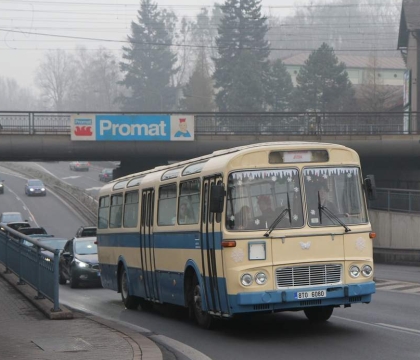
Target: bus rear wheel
319	314
202	318
130	302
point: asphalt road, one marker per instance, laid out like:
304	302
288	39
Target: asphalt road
388	328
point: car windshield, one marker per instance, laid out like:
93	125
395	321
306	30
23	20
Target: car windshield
336	191
88	232
107	171
85	247
257	198
35	183
11	217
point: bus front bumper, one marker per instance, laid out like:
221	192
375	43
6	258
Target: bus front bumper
278	300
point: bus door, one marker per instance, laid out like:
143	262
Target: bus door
212	265
147	249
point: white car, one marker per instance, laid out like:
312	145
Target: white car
79	166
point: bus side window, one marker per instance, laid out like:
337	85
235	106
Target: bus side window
131	209
115	214
103	212
189	202
167	205
205	203
219	215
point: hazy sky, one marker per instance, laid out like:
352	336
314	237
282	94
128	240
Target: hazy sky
21	50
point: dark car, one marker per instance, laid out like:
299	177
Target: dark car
79	262
1	186
33	231
35	187
86	231
15	225
106	175
56	243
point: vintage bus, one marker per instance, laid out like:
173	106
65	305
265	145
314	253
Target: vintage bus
268	227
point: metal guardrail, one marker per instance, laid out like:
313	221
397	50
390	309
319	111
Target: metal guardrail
33	123
398	200
31	265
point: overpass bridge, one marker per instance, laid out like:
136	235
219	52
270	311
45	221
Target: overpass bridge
385	142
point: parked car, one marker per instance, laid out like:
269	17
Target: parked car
79	166
35	187
1	186
86	231
106	175
8	217
79	262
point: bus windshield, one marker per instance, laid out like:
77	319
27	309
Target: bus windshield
256	198
337	191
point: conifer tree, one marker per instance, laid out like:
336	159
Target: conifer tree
323	83
280	87
242	66
149	63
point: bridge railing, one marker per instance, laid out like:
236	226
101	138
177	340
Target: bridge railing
238	123
399	200
31	264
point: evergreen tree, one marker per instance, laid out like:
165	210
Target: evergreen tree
280	87
149	64
242	66
323	83
198	92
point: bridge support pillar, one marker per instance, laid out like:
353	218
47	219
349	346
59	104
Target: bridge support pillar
131	166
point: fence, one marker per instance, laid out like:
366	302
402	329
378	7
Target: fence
239	123
30	263
398	200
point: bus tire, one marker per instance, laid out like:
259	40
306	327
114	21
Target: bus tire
319	314
145	305
202	318
130	302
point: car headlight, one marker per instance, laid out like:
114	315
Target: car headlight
367	270
246	279
43	189
354	271
261	278
1	185
81	264
30	189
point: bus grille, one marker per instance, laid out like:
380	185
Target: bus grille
295	276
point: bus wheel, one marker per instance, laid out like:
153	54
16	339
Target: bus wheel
130	302
319	314
203	319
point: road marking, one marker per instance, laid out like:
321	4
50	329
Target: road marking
399	328
70	177
398	286
31	216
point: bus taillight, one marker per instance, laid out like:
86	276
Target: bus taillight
230	243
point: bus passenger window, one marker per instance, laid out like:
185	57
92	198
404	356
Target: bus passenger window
189	202
103	212
115	214
167	205
131	209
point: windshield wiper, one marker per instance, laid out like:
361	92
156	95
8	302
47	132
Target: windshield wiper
280	218
329	214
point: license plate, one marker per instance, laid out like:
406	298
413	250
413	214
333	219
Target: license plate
303	295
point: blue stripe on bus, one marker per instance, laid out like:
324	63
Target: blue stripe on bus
169	289
186	240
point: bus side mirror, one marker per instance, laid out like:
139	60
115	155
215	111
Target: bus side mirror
370	187
217	197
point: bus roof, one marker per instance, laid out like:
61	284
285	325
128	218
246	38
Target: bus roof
226	155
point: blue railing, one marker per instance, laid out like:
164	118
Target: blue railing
356	123
399	200
30	264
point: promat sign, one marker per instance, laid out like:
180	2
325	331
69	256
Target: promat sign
91	127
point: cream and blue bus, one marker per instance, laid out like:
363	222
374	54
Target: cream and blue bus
269	227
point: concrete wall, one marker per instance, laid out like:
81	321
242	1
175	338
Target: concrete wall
398	237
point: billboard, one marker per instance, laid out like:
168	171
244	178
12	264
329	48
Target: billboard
115	127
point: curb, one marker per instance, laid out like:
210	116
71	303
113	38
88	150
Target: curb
44	305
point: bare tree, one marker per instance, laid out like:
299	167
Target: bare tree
14	97
55	77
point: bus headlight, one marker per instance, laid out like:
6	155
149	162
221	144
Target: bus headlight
354	271
367	270
261	278
246	279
